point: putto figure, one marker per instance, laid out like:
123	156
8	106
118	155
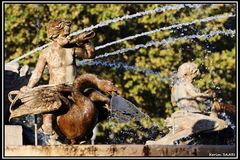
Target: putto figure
190	119
59	56
184	94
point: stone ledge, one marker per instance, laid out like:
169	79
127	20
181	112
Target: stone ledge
122	150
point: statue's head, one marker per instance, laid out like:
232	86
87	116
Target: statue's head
58	27
188	71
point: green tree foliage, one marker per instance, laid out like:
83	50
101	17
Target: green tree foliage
215	55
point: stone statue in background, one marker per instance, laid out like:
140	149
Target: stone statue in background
192	117
188	98
59	57
184	94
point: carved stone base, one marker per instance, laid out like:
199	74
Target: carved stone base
184	124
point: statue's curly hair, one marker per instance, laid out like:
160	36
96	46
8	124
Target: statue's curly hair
188	69
54	26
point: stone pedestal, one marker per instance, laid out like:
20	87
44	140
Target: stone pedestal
13	135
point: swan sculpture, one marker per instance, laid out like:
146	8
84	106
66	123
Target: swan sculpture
77	110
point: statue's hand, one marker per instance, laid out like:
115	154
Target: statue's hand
90	49
85	36
210	93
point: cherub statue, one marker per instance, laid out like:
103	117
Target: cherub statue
184	94
84	108
190	119
59	56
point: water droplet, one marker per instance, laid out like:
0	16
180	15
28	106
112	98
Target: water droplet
217	87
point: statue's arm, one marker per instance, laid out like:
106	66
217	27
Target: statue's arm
86	50
68	42
173	100
37	73
83	49
192	91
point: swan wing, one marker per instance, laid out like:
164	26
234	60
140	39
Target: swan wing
41	99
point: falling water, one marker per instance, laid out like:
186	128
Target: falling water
125	66
138	14
105	23
123	111
121	65
127	38
228	119
163	42
165	28
28	53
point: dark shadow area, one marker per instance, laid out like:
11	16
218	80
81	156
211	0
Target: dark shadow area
135	135
12	81
223	137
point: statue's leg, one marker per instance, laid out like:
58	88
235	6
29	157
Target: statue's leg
47	123
48	130
73	141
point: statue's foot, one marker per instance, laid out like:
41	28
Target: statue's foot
49	139
53	140
47	129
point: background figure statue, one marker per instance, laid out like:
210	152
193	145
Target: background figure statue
189	99
184	94
59	56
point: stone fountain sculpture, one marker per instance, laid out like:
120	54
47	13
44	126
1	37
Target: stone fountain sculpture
59	57
69	111
76	112
192	116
